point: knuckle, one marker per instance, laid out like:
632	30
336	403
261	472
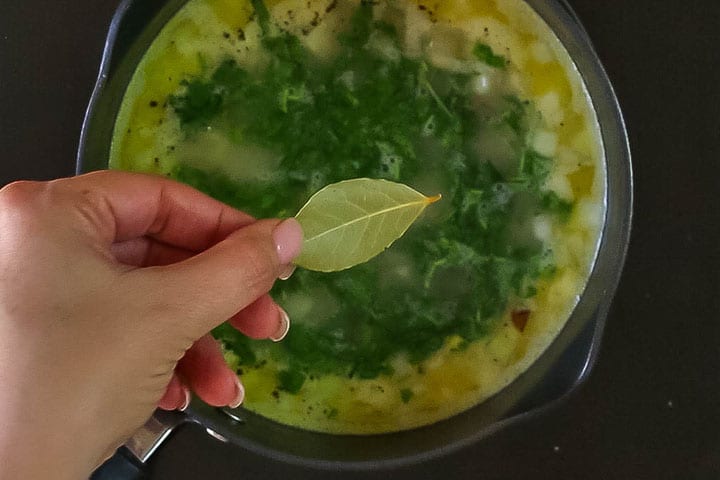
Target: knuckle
258	266
255	267
88	206
20	195
21	205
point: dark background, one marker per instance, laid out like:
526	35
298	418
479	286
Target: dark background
651	408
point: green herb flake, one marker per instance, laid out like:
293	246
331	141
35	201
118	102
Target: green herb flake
552	203
406	394
486	55
290	381
198	105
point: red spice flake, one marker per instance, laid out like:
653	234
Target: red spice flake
520	319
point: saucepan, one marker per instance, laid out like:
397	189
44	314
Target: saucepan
559	370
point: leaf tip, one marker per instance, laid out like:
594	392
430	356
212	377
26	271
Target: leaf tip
433	199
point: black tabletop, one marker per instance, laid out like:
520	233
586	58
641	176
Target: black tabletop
651	408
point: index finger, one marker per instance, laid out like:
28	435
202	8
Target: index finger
123	206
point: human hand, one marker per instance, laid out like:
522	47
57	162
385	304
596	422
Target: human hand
107	281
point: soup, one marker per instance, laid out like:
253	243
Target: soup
261	104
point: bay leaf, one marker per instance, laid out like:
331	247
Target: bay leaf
350	222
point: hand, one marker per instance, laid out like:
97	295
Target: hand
109	285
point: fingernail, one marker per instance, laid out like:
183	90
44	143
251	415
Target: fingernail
283	326
240	396
288	239
287	272
188	397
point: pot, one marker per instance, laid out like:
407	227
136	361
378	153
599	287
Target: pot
555	374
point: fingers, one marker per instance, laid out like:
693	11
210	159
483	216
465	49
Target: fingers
262	319
120	206
177	395
206	372
210	287
203	366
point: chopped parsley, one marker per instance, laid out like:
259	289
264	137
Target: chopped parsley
486	55
290	381
370	113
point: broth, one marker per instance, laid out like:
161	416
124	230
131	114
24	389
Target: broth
262	104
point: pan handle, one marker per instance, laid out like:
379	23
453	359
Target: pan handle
121	466
129	460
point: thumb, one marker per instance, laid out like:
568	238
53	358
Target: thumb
205	290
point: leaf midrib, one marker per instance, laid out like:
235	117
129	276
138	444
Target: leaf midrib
366	217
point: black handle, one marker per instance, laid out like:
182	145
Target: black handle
121	466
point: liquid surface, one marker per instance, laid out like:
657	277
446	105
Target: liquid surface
262	104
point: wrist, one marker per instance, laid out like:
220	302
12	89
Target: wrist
34	455
42	434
